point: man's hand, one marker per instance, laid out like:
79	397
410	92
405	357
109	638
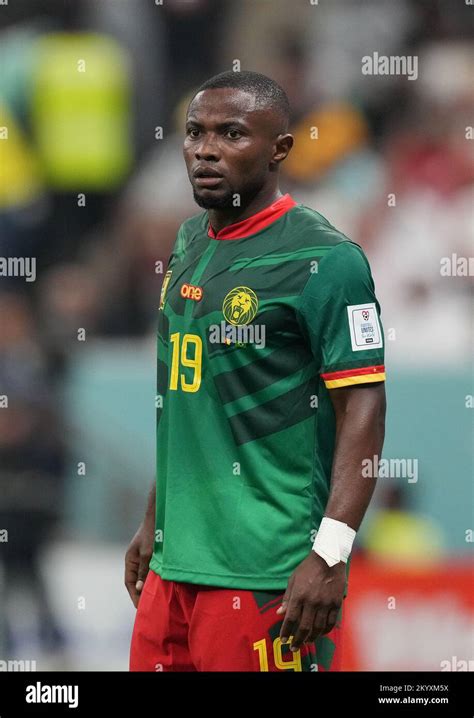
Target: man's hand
312	600
137	559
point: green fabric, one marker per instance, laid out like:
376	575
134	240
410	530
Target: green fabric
244	455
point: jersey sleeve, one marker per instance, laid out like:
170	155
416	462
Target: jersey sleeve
340	316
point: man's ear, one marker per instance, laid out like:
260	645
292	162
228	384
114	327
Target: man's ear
283	145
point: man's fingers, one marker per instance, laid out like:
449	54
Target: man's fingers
132	590
319	624
286	597
331	620
142	571
139	584
131	579
304	627
330	623
290	622
141	577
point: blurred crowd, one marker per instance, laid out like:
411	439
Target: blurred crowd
93	184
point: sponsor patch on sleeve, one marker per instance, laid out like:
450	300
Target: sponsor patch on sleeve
364	327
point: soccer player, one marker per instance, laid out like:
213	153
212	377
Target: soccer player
270	397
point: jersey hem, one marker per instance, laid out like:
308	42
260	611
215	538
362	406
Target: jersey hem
246	583
220	580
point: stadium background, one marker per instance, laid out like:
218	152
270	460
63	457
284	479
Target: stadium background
92	184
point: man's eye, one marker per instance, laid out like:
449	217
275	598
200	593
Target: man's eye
193	132
234	134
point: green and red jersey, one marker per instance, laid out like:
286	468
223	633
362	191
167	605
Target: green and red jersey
257	324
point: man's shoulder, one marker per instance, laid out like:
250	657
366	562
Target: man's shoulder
313	229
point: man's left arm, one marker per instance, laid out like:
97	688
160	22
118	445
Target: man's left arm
315	591
339	312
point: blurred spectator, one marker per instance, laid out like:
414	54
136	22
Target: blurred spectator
31	474
396	535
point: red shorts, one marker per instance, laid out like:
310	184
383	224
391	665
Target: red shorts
186	627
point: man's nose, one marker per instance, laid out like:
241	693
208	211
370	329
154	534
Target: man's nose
207	149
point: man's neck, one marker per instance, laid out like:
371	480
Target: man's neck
220	218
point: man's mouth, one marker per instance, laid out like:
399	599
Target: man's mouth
208	181
203	171
207	177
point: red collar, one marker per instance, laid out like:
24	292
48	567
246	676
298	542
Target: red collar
256	222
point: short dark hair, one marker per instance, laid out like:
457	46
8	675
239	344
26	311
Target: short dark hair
268	93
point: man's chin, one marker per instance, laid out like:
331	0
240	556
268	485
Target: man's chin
211	200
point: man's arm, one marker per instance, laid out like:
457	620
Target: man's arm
360	431
315	591
140	551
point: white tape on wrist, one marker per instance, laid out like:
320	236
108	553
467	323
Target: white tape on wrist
334	541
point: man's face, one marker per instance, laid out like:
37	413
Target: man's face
228	146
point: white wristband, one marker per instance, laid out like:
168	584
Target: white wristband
334	541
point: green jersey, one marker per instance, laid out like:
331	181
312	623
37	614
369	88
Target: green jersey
256	326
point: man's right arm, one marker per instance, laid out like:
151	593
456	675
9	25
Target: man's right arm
140	551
